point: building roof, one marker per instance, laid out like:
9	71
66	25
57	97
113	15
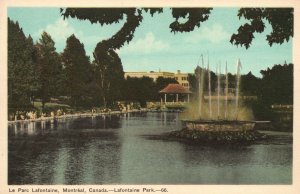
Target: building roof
175	89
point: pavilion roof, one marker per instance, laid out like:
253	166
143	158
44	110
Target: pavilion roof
175	89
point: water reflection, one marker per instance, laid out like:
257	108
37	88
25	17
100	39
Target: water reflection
114	150
217	156
64	151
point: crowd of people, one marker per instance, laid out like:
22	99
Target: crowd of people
31	115
35	114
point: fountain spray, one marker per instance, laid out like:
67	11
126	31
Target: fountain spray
209	89
201	84
199	94
226	90
218	105
200	78
237	87
219	88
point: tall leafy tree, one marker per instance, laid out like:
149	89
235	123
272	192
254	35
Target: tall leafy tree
94	92
49	68
250	85
21	67
77	70
277	84
276	87
109	73
140	89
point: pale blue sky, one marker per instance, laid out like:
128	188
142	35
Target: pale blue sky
154	47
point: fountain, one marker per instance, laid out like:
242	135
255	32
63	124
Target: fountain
217	125
218	122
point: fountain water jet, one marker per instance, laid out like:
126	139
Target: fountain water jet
198	73
226	91
200	87
230	121
219	88
237	87
209	89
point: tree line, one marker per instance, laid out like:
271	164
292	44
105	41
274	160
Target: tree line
274	87
38	71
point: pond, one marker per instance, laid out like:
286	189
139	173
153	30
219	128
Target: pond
120	149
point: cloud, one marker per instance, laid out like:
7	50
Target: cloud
90	40
148	44
59	31
214	34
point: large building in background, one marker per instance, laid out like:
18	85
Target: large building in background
181	78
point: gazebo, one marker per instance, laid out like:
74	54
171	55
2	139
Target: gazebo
175	89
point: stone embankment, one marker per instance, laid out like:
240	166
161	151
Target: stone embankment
217	137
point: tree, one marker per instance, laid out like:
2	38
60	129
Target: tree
133	19
21	67
194	79
277	84
275	87
49	69
140	89
250	85
162	82
145	89
109	73
77	70
281	20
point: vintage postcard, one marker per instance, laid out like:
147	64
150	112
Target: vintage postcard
149	97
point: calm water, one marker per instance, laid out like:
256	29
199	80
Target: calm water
122	150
